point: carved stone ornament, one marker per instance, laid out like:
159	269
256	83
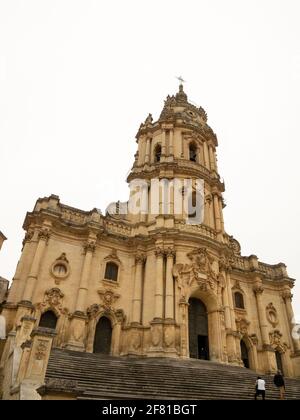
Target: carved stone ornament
201	270
93	310
169	336
224	264
156	336
113	256
108	297
120	315
272	316
136	340
242	325
237	286
275	341
41	350
254	339
53	300
234	246
54	296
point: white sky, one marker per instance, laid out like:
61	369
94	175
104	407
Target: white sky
78	77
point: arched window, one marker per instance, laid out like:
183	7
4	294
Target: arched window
192	205
111	271
193	152
48	320
239	300
157	153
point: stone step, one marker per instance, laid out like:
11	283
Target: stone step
100	376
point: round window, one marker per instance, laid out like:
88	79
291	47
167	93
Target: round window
60	270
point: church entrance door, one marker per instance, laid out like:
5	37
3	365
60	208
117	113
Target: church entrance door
198	330
103	333
245	355
279	361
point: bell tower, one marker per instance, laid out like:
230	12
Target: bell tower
180	145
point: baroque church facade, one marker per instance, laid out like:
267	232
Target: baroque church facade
152	284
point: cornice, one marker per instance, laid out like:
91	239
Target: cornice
177	167
177	122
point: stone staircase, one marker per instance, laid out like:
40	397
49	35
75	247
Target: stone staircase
98	376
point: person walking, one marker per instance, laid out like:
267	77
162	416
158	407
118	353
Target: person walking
260	388
279	383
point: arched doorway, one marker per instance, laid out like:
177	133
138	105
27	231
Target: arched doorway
198	330
103	333
279	361
48	320
245	355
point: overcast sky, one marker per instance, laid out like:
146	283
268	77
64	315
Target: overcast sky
78	77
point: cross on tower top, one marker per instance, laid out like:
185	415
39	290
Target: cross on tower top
180	79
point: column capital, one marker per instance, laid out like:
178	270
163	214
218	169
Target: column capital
44	234
286	295
224	264
208	198
159	252
258	289
216	193
170	252
28	236
89	246
140	258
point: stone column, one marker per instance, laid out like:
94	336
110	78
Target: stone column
221	214
258	290
169	313
182	146
201	157
269	354
217	212
287	298
230	316
157	330
215	346
44	235
89	249
163	144
184	336
78	318
144	205
211	212
159	283
138	286
147	156
206	155
171	147
211	158
206	210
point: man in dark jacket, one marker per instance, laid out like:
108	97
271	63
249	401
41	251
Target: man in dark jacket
279	382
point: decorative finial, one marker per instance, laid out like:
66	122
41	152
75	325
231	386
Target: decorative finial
181	95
